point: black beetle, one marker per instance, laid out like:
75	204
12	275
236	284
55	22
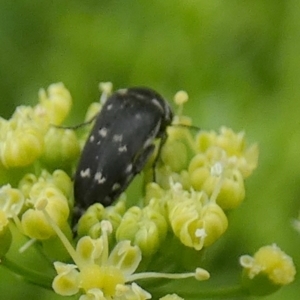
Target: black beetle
120	144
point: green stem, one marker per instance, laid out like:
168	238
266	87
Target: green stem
34	277
212	293
219	293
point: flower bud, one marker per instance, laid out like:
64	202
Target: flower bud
26	184
63	182
92	111
56	103
229	147
61	148
34	223
204	140
153	190
232	191
198	171
11	201
22	147
174	154
185	216
36	226
233	143
67	281
198	177
214	221
181	97
146	228
249	161
106	87
89	223
91	217
268	270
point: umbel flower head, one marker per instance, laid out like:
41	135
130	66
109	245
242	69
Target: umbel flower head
159	234
28	134
96	268
100	274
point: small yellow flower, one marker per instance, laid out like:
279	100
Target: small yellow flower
268	270
67	281
174	154
234	145
11	201
22	147
106	89
185	216
61	147
33	221
22	136
89	223
195	220
214	221
55	104
181	97
224	161
145	227
97	268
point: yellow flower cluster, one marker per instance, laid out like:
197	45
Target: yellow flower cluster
100	274
22	137
46	186
198	178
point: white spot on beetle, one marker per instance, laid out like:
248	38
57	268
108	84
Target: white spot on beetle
118	137
157	104
85	173
138	116
99	178
140	96
122	148
103	132
150	139
92	138
116	186
109	107
128	169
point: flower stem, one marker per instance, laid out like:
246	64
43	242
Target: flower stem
215	292
218	293
34	277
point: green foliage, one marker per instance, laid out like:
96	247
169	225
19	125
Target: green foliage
238	60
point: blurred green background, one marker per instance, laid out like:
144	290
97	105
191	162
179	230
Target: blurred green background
238	60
